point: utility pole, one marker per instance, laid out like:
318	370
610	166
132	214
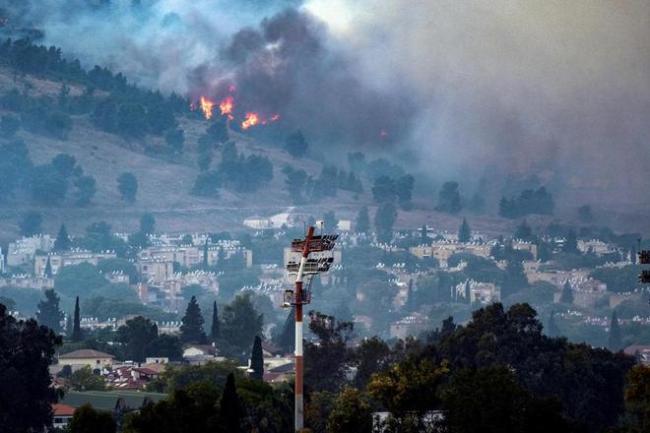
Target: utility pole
301	296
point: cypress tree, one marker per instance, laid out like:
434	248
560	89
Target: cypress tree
76	329
192	327
552	329
464	232
215	331
567	294
615	337
205	255
230	408
62	242
257	359
48	269
363	221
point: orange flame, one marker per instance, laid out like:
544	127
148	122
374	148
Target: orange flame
206	107
251	119
226	105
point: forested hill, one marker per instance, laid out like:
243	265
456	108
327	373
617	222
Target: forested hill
69	134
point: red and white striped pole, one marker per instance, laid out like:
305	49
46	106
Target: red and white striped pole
299	401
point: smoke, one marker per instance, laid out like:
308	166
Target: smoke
474	89
559	89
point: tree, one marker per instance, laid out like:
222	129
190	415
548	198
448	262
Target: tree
449	198
552	329
192	327
204	160
76	330
296	145
295	183
86	189
384	190
493	396
62	241
49	314
85	380
88	420
615	340
136	336
571	243
384	219
30	224
404	190
257	359
524	232
240	324
26	352
147	224
47	272
363	221
464	232
514	279
286	337
127	185
230	410
325	358
567	294
351	413
215	331
330	221
175	139
48	186
637	399
132	120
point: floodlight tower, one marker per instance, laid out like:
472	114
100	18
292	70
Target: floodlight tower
300	296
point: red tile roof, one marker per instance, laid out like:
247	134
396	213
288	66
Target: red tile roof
61	409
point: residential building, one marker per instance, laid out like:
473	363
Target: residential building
409	325
86	357
68	258
61	415
25	281
23	251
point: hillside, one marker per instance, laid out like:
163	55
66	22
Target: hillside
164	182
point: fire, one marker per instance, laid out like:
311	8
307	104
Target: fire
206	107
226	106
251	119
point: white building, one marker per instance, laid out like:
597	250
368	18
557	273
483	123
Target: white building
23	250
68	258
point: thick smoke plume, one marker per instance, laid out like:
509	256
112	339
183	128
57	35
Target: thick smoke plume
473	89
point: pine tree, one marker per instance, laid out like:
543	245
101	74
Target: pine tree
49	313
215	331
62	242
615	338
192	327
76	329
424	237
363	221
68	325
257	359
464	232
205	255
567	294
48	269
230	408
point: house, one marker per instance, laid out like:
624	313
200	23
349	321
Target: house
199	354
413	324
86	357
61	415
